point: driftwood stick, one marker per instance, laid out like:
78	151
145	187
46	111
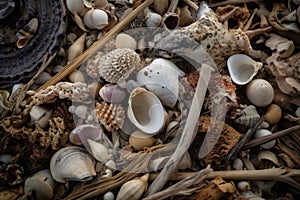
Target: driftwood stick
223	3
96	45
187	134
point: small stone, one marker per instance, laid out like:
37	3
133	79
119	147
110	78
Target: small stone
43	78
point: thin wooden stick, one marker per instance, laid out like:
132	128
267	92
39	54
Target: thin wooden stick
223	3
96	46
191	4
187	134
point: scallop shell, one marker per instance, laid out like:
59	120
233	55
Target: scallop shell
161	78
260	92
139	140
112	116
116	65
145	111
41	183
96	19
242	68
26	33
273	114
72	163
264	132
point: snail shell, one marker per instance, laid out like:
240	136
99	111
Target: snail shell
260	92
72	163
26	33
96	19
273	114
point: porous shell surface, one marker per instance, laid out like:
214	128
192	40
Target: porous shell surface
116	65
260	92
72	163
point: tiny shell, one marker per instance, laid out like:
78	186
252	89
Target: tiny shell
40	115
76	48
109	196
237	164
161	6
99	151
243	186
81	133
268	155
264	132
96	19
260	92
139	140
111	93
75	6
273	114
77	76
26	33
153	19
249	116
124	40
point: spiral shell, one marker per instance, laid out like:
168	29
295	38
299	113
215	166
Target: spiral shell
273	114
110	115
116	65
96	19
260	92
26	33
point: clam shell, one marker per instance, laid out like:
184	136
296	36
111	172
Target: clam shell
260	92
96	19
139	140
72	163
41	183
264	132
242	68
145	111
273	114
161	78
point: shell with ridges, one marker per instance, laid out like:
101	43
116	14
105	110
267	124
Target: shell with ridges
72	163
133	189
116	65
249	116
260	92
273	114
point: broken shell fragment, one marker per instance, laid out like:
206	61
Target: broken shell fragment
242	68
264	132
99	151
273	114
260	92
268	155
133	189
139	140
96	19
72	163
76	48
26	33
81	133
41	183
145	111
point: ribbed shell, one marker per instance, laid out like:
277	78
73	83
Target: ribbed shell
117	64
110	115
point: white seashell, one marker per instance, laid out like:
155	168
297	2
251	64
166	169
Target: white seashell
264	132
77	76
243	186
41	183
260	92
16	87
109	196
96	19
81	133
75	6
40	115
111	93
99	151
124	40
242	68
139	140
133	189
72	163
268	155
76	48
145	111
153	19
161	78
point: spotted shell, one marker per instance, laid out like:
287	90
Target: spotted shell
260	92
116	65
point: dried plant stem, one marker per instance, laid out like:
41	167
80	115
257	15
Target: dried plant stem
253	33
223	3
289	153
188	133
173	6
262	140
228	15
249	22
96	45
274	174
191	4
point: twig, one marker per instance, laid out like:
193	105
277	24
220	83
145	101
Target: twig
96	46
267	138
223	3
253	33
249	22
187	134
173	6
228	15
191	4
274	174
289	153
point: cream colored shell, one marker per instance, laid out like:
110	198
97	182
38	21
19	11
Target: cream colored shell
260	92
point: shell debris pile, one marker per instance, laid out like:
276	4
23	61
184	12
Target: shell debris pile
103	117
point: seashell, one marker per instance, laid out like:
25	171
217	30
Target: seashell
99	151
161	6
40	115
100	3
249	116
133	189
170	21
161	78
81	111
139	140
109	196
237	164
7	7
72	163
81	133
153	19
116	65
41	183
124	40
273	114
243	186
260	92
264	132
76	76
145	111
112	116
268	155
75	6
16	87
111	93
26	33
186	17
242	68
96	19
76	48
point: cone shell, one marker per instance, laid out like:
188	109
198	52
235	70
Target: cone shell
134	189
139	140
112	116
118	64
273	114
72	163
260	92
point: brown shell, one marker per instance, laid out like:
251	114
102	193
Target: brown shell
110	115
273	114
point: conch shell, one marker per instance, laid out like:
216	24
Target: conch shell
145	111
